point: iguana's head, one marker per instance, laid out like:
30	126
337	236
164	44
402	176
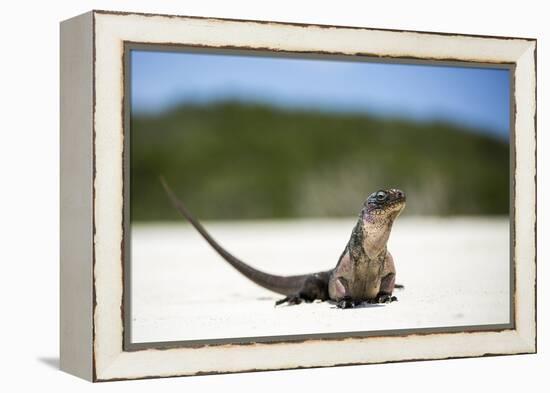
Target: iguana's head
377	216
385	203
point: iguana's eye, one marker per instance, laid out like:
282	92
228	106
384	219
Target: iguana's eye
380	195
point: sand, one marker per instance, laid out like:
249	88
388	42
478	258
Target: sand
456	272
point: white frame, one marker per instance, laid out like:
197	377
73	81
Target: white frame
92	194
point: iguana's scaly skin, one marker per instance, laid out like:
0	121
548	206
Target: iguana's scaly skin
365	271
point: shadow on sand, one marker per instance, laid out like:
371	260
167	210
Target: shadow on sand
50	361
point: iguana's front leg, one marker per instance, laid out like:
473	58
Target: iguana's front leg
345	299
387	284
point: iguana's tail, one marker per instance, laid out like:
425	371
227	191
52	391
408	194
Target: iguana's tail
285	285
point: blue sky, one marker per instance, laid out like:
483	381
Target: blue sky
471	97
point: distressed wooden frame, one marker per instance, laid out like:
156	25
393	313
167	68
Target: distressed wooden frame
93	194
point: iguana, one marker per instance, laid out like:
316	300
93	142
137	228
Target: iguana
365	271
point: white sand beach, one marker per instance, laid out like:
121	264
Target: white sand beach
456	272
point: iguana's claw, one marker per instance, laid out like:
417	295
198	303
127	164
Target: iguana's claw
385	298
346	303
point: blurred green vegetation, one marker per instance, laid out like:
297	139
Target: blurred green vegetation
241	161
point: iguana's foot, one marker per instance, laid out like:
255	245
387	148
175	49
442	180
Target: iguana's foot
346	302
290	300
384	298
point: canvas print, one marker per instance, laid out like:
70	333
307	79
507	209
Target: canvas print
276	198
